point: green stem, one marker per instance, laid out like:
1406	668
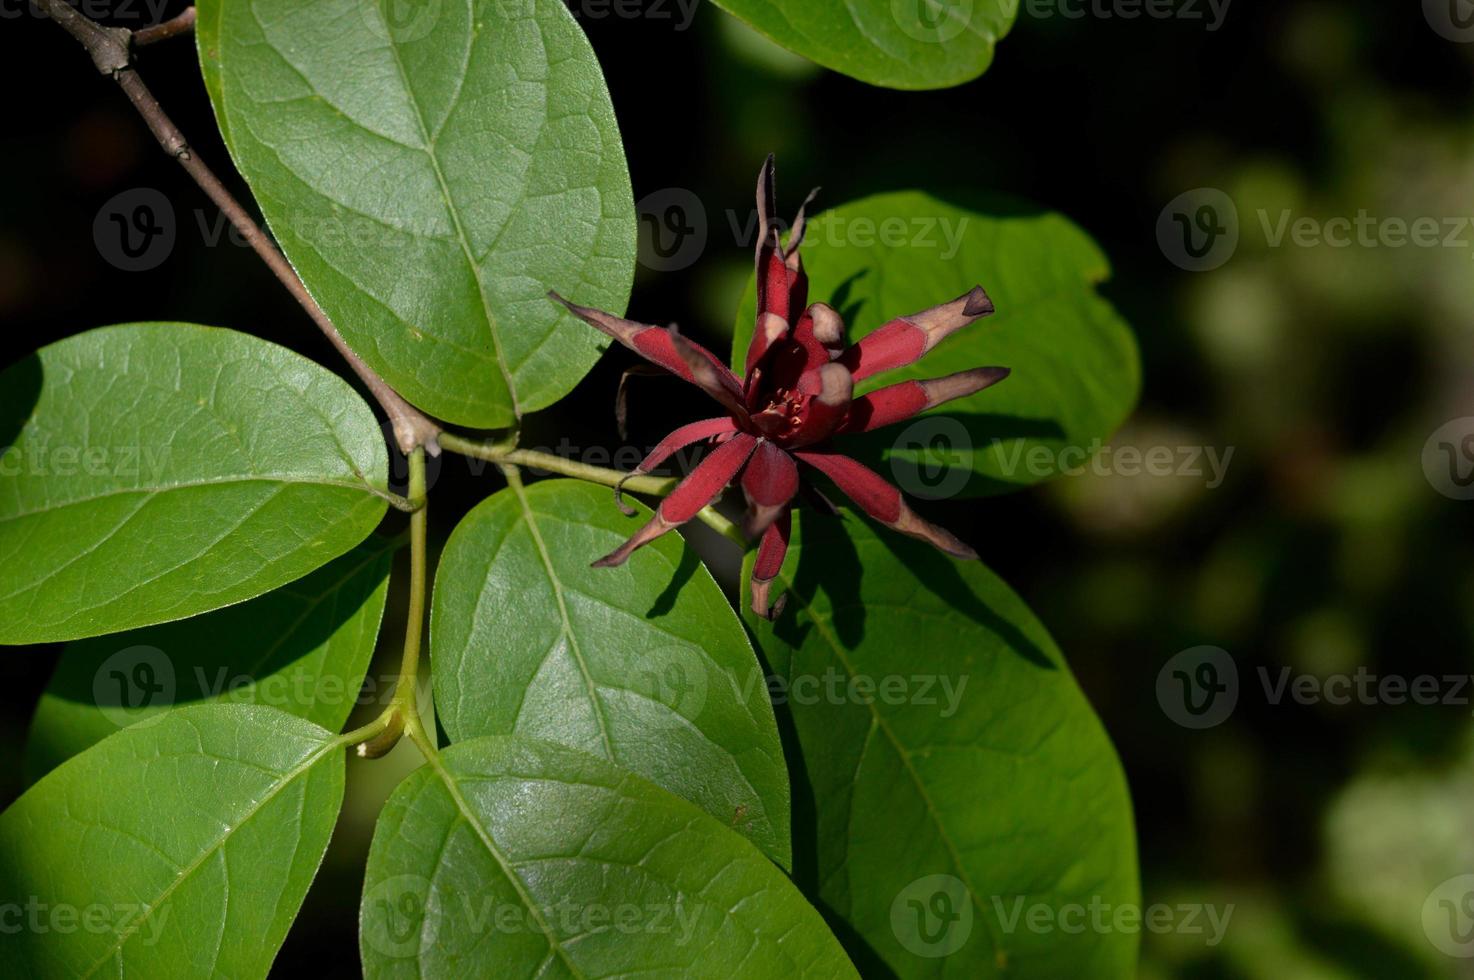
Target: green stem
367	735
402	716
657	486
405	504
407	689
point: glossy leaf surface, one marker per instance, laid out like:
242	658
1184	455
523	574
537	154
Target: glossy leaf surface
155	471
962	790
432	170
645	665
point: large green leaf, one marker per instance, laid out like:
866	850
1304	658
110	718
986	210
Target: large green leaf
302	648
155	471
518	858
1075	369
177	848
907	44
968	812
645	665
432	169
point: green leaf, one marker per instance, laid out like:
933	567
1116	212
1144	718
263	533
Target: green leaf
179	847
1075	370
432	170
960	782
645	665
155	471
519	858
906	44
302	648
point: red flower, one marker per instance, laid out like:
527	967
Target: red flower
797	393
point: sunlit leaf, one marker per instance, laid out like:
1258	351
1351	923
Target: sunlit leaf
179	847
302	648
518	858
645	665
432	170
155	471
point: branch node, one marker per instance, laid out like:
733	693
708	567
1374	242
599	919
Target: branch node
412	430
108	46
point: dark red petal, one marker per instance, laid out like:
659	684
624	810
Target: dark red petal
827	410
771	272
703	486
898	402
771	329
683	437
767	206
796	233
650	342
820	334
798	284
798	280
679	439
782	285
792	365
710	377
770	481
773	289
769	563
882	501
901	341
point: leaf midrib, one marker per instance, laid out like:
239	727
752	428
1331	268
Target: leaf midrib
287	479
455	217
878	723
185	873
484	835
530	518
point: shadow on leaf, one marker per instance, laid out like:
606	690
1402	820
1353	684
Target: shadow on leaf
20	390
666	601
843	299
922	456
105	682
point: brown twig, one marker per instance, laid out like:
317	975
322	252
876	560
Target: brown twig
111	53
182	23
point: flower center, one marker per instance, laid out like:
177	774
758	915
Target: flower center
782	416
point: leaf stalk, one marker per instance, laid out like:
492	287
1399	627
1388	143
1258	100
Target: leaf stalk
657	486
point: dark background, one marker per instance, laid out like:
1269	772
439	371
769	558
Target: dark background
1326	549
